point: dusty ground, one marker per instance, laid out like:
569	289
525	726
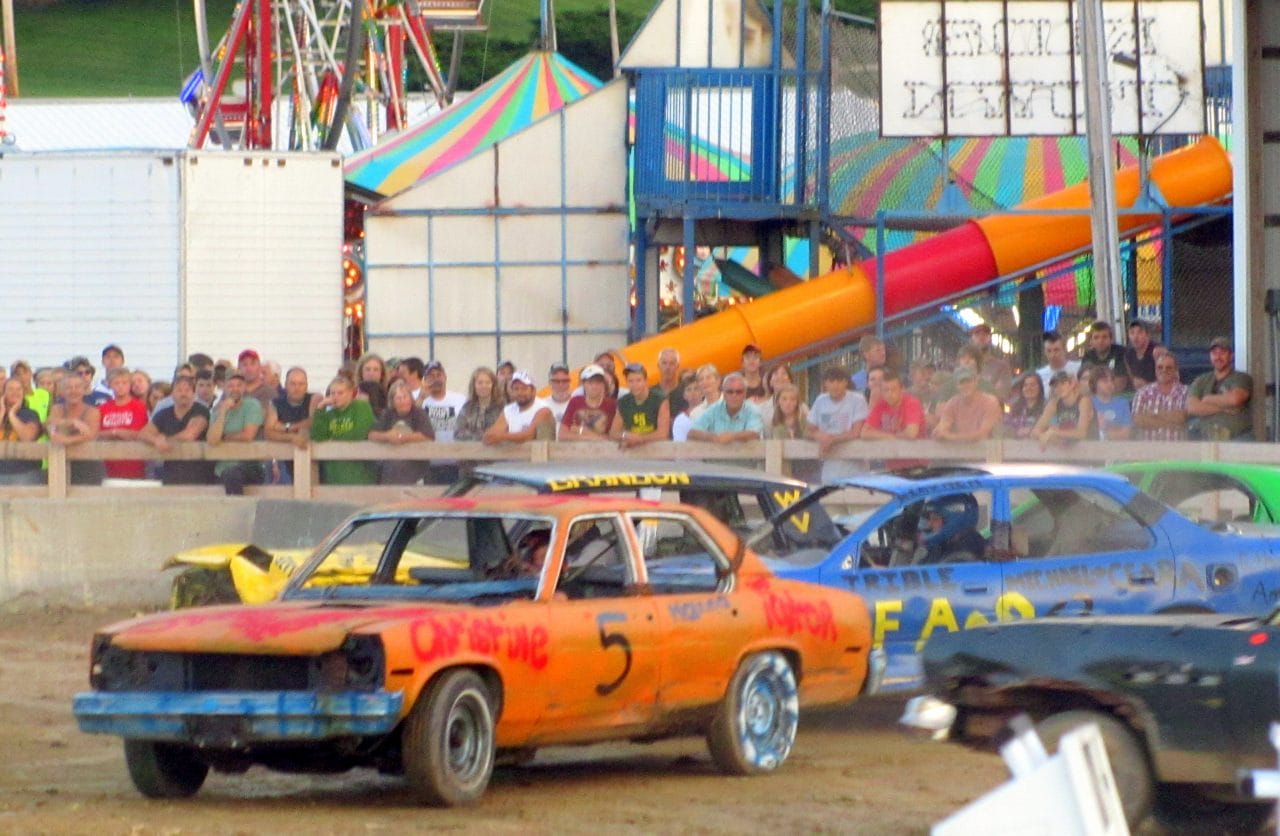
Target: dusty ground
851	772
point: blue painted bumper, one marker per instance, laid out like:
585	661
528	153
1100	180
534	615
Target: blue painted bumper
235	718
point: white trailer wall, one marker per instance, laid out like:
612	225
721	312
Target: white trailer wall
519	252
262	244
166	253
89	255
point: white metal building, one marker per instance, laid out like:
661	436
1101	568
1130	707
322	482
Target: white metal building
517	252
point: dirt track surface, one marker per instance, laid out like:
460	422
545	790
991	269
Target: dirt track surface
851	772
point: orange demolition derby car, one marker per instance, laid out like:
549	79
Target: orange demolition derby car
432	639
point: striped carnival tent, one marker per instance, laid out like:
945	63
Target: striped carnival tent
531	88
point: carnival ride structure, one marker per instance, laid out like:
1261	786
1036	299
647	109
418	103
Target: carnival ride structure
299	74
823	309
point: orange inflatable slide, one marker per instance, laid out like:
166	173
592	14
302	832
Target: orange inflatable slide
966	256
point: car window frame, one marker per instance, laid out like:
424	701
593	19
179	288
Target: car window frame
725	567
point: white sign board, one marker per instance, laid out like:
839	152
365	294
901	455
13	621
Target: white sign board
1012	68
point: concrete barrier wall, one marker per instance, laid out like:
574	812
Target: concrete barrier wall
108	551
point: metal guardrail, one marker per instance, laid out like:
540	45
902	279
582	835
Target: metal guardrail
776	457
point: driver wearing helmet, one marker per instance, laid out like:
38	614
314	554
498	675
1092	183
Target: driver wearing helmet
949	531
526	558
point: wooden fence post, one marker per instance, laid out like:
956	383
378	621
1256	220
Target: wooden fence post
58	475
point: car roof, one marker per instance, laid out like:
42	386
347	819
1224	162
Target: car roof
536	504
629	473
924	478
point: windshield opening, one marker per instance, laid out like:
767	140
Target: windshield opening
438	556
805	533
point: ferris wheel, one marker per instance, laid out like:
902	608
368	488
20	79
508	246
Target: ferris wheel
302	74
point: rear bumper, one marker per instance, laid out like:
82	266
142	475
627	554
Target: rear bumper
233	719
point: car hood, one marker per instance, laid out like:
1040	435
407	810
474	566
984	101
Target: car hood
287	628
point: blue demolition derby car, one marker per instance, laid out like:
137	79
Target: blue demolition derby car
937	550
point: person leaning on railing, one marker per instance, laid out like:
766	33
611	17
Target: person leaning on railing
238	416
340	416
72	421
402	422
186	419
18	423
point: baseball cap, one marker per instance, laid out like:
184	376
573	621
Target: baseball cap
248	353
522	376
432	366
113	347
751	348
634	368
981	326
1059	376
1222	342
591	370
964	373
557	368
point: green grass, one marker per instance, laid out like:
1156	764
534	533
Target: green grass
92	48
148	47
110	48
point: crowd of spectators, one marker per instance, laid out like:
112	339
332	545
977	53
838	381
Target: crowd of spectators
1109	392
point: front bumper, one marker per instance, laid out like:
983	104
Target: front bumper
235	719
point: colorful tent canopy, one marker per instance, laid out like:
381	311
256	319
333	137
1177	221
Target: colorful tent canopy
536	85
869	174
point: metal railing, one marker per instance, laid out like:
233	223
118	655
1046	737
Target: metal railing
774	457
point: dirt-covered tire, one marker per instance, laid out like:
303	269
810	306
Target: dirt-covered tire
164	770
199	587
755	725
1128	757
1181	808
447	743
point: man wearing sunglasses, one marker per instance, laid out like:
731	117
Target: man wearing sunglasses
731	418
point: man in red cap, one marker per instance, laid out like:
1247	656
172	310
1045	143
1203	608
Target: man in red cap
249	364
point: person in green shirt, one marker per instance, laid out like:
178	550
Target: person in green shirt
343	417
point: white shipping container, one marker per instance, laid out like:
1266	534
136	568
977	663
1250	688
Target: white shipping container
166	253
262	257
89	255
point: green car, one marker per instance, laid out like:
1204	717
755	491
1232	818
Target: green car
1212	493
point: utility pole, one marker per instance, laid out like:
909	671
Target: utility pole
10	49
613	35
1102	165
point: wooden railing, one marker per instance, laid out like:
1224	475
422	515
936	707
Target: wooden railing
774	457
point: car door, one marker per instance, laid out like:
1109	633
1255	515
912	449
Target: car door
603	668
1077	549
929	582
703	631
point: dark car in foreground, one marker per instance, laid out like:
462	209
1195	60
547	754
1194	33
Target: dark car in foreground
1183	703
